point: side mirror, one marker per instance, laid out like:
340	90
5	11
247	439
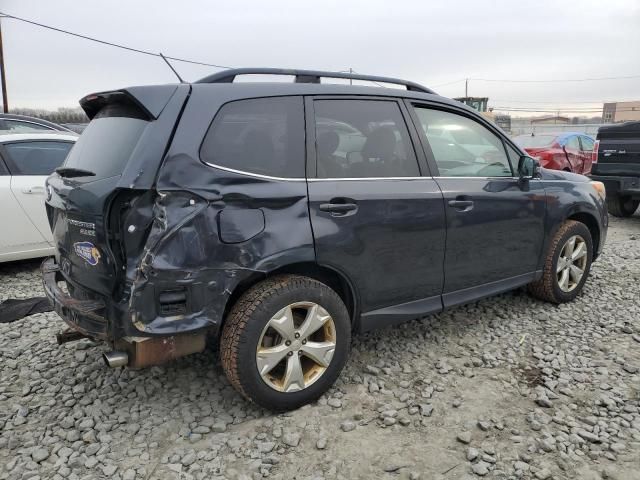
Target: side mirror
528	168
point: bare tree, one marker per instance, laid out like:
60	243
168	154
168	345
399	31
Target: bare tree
61	115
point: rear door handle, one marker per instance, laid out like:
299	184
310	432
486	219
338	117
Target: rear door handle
36	189
461	205
337	209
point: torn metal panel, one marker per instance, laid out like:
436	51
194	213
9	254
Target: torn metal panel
165	245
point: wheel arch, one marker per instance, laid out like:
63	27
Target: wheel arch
334	279
592	224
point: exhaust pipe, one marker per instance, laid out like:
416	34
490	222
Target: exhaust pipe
116	359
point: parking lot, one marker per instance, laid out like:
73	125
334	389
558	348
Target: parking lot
508	387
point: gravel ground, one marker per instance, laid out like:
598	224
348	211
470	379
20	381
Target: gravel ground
508	387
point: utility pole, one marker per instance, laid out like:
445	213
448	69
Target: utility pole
5	101
350	73
466	87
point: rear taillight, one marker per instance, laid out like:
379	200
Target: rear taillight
594	153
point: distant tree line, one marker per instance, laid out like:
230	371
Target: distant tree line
61	115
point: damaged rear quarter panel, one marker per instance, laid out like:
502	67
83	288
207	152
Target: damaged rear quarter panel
212	228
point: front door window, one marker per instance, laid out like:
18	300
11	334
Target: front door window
462	147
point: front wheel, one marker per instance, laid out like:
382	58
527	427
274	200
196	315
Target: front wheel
622	205
285	341
567	264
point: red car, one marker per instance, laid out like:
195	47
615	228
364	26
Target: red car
566	151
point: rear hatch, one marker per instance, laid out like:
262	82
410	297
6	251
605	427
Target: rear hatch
618	150
114	161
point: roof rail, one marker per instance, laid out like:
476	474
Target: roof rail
307	76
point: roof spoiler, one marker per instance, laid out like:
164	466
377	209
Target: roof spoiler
149	100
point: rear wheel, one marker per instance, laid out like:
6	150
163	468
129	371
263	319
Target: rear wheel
567	264
622	205
285	341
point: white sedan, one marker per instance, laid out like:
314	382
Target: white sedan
26	160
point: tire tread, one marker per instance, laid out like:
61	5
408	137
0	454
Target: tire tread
543	288
243	310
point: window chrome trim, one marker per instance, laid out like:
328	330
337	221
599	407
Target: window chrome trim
343	179
291	179
480	178
256	175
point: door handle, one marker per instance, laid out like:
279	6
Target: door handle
461	205
33	190
338	209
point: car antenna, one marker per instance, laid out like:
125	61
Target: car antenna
172	69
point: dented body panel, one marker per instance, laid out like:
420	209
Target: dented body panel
176	237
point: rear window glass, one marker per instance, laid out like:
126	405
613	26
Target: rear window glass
263	136
534	141
107	143
36	158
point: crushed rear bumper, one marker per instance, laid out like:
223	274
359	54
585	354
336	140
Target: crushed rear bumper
84	316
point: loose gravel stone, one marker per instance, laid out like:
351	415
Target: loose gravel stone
480	468
540	389
291	439
472	454
347	426
40	454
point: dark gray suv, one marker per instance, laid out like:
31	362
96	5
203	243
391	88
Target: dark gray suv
275	219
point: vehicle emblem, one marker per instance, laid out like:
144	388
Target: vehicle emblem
65	266
88	252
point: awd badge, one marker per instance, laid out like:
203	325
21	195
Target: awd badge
88	252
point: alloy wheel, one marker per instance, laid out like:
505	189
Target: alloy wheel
572	263
296	347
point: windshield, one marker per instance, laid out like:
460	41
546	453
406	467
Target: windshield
534	141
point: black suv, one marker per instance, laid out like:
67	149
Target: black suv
275	219
616	163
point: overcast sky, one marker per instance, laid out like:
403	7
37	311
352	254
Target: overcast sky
431	42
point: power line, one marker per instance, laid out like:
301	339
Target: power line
556	110
555	102
111	44
448	83
555	80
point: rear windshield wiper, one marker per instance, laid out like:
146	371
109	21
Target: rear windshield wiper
70	172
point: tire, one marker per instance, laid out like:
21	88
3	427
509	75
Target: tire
548	287
622	206
249	326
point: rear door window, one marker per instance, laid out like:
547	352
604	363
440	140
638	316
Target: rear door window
36	158
573	143
263	136
107	143
362	139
